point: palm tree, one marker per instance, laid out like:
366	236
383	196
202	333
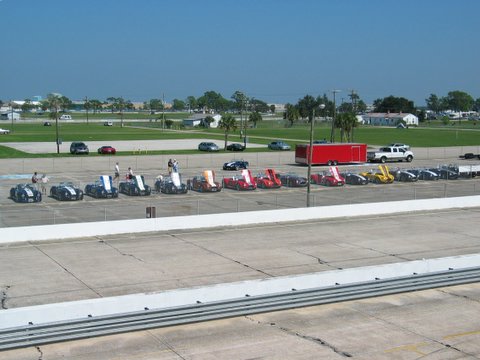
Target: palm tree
54	102
255	117
291	114
228	124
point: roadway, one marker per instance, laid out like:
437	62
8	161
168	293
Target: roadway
433	324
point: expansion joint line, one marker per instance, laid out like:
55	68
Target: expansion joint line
68	271
302	336
221	255
120	252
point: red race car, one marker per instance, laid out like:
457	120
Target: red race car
243	182
107	150
330	178
269	180
205	182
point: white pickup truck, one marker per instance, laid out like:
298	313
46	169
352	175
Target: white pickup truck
390	153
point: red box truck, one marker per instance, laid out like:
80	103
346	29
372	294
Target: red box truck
331	154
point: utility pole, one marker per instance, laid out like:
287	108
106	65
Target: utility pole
332	133
86	107
163	111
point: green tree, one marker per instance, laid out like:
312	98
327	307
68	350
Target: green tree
433	103
476	105
213	101
272	108
192	103
255	117
65	103
53	103
306	106
239	101
291	114
460	101
228	124
95	105
394	105
178	105
27	105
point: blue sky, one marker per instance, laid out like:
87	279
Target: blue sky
273	50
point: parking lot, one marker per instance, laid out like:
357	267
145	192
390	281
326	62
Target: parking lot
82	170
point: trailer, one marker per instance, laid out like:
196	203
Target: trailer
331	154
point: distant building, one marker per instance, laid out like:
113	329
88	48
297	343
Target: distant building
389	119
8	115
200	120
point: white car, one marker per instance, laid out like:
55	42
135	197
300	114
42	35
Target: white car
4	131
108	123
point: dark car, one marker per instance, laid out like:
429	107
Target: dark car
208	146
235	147
66	191
354	179
445	173
404	175
293	180
204	183
424	174
78	147
107	149
102	188
235	165
170	184
279	145
25	193
47	123
135	186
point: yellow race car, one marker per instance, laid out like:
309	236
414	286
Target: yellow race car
382	176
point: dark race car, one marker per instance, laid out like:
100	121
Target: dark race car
404	175
243	182
204	183
330	178
25	193
445	173
170	184
135	186
235	147
354	179
424	174
293	180
235	165
269	180
66	191
102	188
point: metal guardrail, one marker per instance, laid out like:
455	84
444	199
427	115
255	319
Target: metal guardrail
34	335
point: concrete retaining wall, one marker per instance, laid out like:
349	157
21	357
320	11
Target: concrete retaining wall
69	231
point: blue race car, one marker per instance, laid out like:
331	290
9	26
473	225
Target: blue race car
25	193
235	165
171	184
135	186
66	191
102	188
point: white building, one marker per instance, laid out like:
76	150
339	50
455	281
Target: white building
389	119
8	115
199	119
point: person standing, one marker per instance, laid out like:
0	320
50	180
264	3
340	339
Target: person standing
170	166
175	165
35	180
43	182
116	171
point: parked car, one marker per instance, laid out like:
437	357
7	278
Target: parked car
204	183
445	173
4	131
47	123
405	146
66	191
170	184
108	123
135	186
404	175
107	149
235	165
25	193
330	178
102	188
424	174
235	147
269	180
244	181
293	180
382	176
279	145
354	179
208	146
78	147
66	117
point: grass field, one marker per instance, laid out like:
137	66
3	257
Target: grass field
434	135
